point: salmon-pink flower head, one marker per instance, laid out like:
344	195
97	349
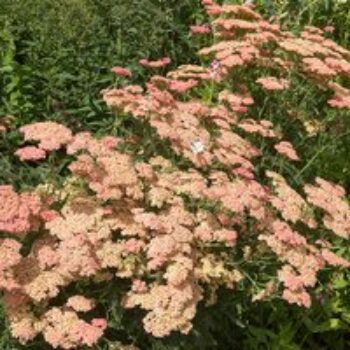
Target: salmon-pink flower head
244	172
23	328
331	198
155	263
18	213
300	297
162	62
318	38
163	303
313	30
121	71
227	236
317	66
138	286
165	61
214	10
110	142
108	210
263	127
32	153
333	259
329	29
272	83
339	102
286	148
341	66
64	329
248	101
290	279
285	234
144	62
182	86
9	253
204	29
232	61
80	304
330	187
99	323
291	204
224	219
133	245
47	256
51	136
80	141
144	170
49	215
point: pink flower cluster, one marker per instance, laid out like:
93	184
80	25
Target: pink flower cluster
51	136
272	83
286	148
292	206
30	153
331	199
203	29
161	62
18	213
121	71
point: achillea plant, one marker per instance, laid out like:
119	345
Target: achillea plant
176	230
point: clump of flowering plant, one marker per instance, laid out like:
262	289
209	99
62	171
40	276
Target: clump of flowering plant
174	231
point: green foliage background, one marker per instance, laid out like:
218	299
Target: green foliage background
58	54
55	57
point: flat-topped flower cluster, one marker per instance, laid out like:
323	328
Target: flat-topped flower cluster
172	231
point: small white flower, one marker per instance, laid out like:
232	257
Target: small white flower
197	147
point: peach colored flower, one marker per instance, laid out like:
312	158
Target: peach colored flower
121	71
333	259
340	102
272	83
162	62
203	29
80	304
30	153
286	148
49	215
138	286
300	297
18	212
329	29
51	135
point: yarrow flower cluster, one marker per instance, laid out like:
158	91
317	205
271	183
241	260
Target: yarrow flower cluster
171	231
51	136
30	153
203	29
121	71
19	213
162	62
272	83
